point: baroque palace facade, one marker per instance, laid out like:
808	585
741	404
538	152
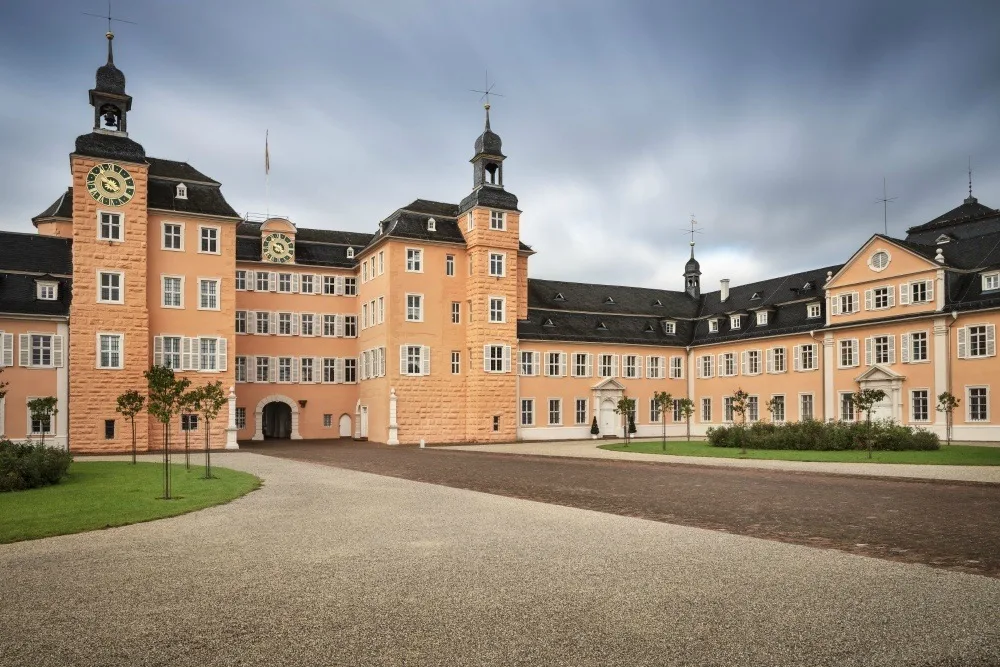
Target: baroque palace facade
430	329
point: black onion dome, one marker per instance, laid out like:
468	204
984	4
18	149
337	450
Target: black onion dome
692	266
110	79
489	141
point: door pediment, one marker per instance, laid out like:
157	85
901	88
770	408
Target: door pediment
879	373
609	384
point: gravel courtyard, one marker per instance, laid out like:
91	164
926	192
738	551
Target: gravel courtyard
326	566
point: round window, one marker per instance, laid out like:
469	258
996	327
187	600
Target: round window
880	260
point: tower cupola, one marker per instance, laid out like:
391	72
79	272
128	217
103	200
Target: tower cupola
111	103
487	172
692	276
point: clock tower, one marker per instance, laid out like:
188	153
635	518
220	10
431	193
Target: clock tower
277	241
109	318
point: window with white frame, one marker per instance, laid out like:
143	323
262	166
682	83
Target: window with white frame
173	236
676	368
351	369
364	316
241	369
412	359
241	418
241	281
881	350
761	317
497	220
381	309
173	292
991	281
977	399
846	407
456	363
263	368
555	364
414	260
307	324
307	284
654	367
806	357
111	284
40	350
607	365
581	364
364	272
977	341
678	414
806	407
713	326
414	308
171	352
46	290
777	407
529	363
753	408
751	362
580	412
920	291
848	303
881	298
110	227
776	360
208	349
470	223
498	308
109	351
727	364
527	406
879	260
497	359
284	324
208	294
914	347
329	370
381	262
706	409
209	240
449	265
654	411
181	192
707	365
330	285
814	310
350	286
920	409
497	262
263	281
735	321
630	365
241	321
263	323
284	369
848	353
285	282
350	326
669	327
727	408
555	412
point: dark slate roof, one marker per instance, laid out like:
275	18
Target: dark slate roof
771	292
180	171
925	250
970	210
17	295
431	208
110	147
584	327
313	247
406	224
783	319
201	199
110	79
978	253
490	196
60	208
33	253
594	299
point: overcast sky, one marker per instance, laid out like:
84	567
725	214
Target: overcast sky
772	122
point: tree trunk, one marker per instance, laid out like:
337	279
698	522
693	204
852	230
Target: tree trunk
208	451
689	428
133	440
187	448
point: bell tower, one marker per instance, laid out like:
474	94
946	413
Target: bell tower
111	103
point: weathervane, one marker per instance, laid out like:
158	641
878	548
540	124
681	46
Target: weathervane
110	19
487	92
885	206
692	232
969	200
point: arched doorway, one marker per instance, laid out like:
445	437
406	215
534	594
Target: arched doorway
276	420
609	426
345	426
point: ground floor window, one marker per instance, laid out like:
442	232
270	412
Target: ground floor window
456	363
806	407
654	411
189	422
706	409
327	421
555	411
753	408
241	417
778	408
109	429
727	409
581	411
496	423
527	411
978	404
678	416
920	405
846	407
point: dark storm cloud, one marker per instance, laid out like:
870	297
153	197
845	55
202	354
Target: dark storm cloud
772	122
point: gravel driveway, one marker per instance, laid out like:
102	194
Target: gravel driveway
324	566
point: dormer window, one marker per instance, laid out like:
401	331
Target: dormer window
548	323
756	295
649	329
735	321
813	310
807	286
669	327
761	317
713	326
350	253
46	290
991	281
601	326
609	300
944	238
657	304
182	191
558	297
431	225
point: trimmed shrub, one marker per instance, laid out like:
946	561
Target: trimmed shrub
29	466
886	435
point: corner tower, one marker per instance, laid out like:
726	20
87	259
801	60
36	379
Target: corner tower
109	319
490	221
692	276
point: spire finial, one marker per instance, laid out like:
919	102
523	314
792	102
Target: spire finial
110	35
111	54
693	232
970	199
487	107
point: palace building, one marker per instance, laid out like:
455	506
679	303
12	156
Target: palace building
429	328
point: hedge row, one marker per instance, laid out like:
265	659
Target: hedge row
886	435
29	466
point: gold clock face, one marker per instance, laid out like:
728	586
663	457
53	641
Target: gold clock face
110	184
278	248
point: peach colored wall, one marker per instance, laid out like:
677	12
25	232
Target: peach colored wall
974	372
94	391
24	382
373	393
62	228
522	287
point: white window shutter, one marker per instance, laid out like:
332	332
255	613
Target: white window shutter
699	372
7	354
930	290
272	282
562	364
486	359
186	354
222	354
272	370
904	348
868	299
639	361
251	282
338	326
590	365
892	349
743	363
24	344
402	360
963	343
904	294
536	363
506	358
835	305
892	295
797	357
614	365
855	351
338	370
57	351
721	364
157	350
295	369
295	324
425	360
338	285
251	369
363	366
991	340
869	357
295	282
770	360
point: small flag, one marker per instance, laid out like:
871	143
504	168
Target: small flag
267	155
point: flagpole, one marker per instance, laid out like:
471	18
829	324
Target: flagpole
267	175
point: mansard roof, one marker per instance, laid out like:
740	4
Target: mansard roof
969	211
179	171
61	208
26	258
313	247
773	291
587	328
593	298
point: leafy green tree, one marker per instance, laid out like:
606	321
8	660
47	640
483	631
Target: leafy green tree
686	407
130	404
625	407
43	410
3	386
190	404
662	400
741	401
865	400
165	392
213	398
947	404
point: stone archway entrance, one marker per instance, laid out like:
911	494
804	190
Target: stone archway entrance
276	416
606	395
879	377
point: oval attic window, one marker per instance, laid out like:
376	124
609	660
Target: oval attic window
880	260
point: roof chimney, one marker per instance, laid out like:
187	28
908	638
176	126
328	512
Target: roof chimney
724	290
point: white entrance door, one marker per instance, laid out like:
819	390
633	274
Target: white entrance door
364	421
609	425
883	409
345	426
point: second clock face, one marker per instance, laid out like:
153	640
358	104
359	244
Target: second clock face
278	248
110	184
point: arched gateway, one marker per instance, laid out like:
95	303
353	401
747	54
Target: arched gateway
276	417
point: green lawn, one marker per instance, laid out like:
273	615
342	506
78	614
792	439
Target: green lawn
103	494
953	455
